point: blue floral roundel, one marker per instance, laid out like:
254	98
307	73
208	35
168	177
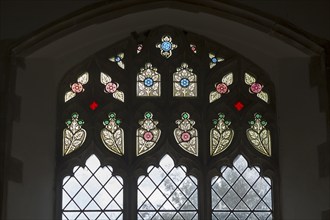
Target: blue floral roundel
166	46
148	82
184	82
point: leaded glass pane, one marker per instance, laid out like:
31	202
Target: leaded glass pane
241	193
186	135
184	82
92	192
258	136
77	87
112	135
74	135
167	193
221	135
148	81
147	135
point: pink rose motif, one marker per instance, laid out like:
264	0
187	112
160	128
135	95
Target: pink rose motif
148	136
221	88
77	87
111	87
256	87
185	136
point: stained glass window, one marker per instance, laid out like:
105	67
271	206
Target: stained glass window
184	82
92	192
77	87
148	81
241	193
147	135
186	135
74	135
167	193
255	87
112	135
152	142
259	136
221	135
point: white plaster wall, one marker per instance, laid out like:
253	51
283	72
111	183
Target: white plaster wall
302	126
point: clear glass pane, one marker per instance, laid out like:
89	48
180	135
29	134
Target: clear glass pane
241	193
167	193
91	190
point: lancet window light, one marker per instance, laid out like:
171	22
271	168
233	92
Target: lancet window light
166	125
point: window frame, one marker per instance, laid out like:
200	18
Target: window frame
123	165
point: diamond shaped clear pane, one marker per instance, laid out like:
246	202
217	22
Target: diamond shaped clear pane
103	198
231	199
92	186
241	187
103	175
72	186
82	199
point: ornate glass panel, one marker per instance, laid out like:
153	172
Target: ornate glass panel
186	135
92	192
147	135
111	87
167	193
139	48
221	135
74	135
112	135
166	46
256	88
193	48
259	136
148	81
184	82
77	87
221	88
214	60
241	193
119	60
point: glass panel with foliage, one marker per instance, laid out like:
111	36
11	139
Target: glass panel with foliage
167	193
241	193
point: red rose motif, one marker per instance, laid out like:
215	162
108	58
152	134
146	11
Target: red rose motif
185	136
148	136
221	88
77	87
111	87
256	87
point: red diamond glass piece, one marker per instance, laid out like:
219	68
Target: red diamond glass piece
239	106
93	105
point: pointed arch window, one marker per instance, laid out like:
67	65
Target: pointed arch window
169	126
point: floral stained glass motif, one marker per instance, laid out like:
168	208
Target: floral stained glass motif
255	87
166	46
148	81
77	87
186	135
193	48
214	60
92	192
241	193
74	135
184	82
259	136
112	135
166	192
221	88
112	87
139	48
119	60
221	135
147	135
